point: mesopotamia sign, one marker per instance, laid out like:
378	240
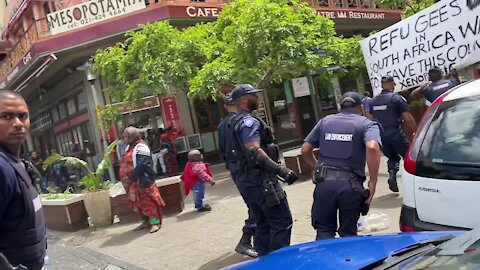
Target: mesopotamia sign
90	12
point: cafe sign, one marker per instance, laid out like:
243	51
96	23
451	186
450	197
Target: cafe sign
90	12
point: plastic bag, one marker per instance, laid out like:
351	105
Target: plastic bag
117	190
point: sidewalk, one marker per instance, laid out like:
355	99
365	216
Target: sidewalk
192	240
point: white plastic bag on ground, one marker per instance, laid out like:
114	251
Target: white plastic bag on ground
117	190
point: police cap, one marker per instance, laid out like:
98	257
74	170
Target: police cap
388	79
350	100
242	90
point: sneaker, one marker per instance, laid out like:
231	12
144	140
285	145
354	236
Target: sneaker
205	208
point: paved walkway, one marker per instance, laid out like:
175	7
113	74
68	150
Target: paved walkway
192	240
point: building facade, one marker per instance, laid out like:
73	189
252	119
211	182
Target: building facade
45	45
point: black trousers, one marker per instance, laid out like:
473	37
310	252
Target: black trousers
332	198
274	224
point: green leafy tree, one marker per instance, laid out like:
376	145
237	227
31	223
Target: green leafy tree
410	6
156	60
267	41
253	41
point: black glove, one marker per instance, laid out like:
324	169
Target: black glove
288	175
365	206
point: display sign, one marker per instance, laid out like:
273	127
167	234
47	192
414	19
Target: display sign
446	35
171	115
141	105
90	12
300	87
359	14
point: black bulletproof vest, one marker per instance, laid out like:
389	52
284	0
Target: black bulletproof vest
266	137
342	142
436	89
229	133
383	110
28	241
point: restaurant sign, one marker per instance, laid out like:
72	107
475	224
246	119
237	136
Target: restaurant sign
359	14
90	12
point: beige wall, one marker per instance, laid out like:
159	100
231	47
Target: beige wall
2	15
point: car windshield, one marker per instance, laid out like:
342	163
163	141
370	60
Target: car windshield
432	260
454	136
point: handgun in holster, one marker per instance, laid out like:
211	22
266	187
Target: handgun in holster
319	173
272	191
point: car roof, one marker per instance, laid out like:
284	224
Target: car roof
468	89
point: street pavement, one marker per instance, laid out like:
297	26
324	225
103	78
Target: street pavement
192	240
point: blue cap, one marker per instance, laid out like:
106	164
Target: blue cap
242	90
387	79
228	99
350	100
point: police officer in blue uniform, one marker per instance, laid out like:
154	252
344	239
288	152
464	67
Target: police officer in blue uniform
389	109
259	172
22	225
437	85
345	141
225	135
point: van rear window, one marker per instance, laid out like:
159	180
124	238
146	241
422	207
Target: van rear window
453	138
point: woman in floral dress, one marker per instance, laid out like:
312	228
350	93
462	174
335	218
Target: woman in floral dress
138	178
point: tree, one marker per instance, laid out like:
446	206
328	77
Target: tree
265	41
411	6
253	41
156	60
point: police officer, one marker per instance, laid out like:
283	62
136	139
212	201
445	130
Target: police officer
437	85
345	141
225	148
259	172
22	226
389	109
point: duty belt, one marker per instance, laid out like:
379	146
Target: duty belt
332	174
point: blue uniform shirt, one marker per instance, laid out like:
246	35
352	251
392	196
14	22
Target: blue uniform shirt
248	131
11	199
400	103
372	132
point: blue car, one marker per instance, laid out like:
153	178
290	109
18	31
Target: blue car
421	250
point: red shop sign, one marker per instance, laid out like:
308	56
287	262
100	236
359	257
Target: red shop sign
171	115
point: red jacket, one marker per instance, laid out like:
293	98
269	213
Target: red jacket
192	174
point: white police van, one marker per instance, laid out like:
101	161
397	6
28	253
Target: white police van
441	174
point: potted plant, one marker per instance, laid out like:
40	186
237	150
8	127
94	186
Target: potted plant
97	196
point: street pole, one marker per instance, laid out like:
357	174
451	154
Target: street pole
91	78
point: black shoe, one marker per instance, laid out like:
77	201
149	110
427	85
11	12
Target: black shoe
246	249
205	208
392	181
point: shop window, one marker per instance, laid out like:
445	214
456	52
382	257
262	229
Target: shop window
282	115
55	116
62	112
323	3
208	115
82	101
352	3
82	134
72	107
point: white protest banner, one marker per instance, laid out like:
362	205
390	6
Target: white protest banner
446	35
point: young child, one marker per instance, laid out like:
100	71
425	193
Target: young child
195	175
